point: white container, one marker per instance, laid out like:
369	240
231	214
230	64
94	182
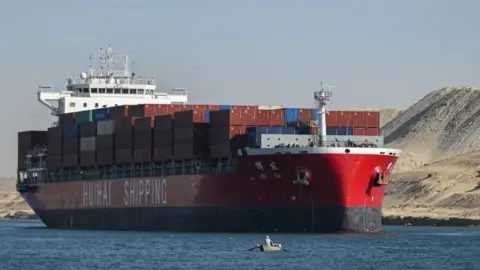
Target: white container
87	144
106	127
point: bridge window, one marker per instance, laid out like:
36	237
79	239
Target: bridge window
96	105
118	91
84	104
140	91
94	90
109	90
133	91
72	104
101	90
124	91
85	90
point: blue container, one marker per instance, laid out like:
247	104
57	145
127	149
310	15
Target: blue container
339	131
254	134
100	114
291	115
225	107
207	116
304	130
70	132
315	114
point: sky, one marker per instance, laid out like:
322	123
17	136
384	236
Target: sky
378	54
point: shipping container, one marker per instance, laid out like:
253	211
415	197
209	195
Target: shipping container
88	158
291	115
163	122
142	155
199	132
372	119
100	114
88	129
189	150
207	116
186	119
69	160
359	131
55	140
305	114
332	119
105	157
119	112
373	131
54	161
54	134
104	142
87	144
164	109
162	138
359	119
83	117
124	125
222	135
229	148
142	110
163	153
342	131
27	140
212	107
315	115
123	156
254	134
143	123
226	107
70	146
345	119
142	139
66	119
267	117
124	140
105	127
70	131
236	117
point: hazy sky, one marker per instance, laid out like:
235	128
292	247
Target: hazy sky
378	53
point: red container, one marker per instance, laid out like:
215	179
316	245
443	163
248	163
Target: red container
124	140
345	119
359	119
359	131
372	119
104	142
163	153
163	122
88	129
118	112
142	139
212	107
223	135
267	118
144	123
162	138
124	125
186	119
70	146
163	109
142	155
123	156
105	157
66	119
227	118
69	160
332	119
88	158
54	162
372	132
305	115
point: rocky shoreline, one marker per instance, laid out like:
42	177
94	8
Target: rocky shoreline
429	221
19	215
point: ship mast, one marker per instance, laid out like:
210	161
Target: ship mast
321	98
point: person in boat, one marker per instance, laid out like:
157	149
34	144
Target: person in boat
268	242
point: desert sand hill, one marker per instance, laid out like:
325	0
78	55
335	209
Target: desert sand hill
10	201
439	170
387	115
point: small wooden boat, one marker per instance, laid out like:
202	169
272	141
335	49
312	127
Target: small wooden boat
267	248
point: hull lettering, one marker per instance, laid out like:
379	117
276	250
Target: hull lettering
145	192
97	194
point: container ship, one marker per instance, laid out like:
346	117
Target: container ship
123	156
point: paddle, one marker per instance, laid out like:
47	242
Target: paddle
254	248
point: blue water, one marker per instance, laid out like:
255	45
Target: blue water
28	245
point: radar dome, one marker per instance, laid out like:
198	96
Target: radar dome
83	75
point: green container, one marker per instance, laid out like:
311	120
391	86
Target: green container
83	117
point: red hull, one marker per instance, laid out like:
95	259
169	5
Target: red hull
336	181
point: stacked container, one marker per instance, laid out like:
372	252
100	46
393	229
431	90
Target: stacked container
28	140
105	142
227	131
69	146
55	147
357	123
142	139
190	135
163	138
88	134
123	141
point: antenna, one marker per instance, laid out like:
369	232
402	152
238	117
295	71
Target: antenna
321	97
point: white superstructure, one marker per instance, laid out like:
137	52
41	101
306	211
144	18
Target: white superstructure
321	97
106	86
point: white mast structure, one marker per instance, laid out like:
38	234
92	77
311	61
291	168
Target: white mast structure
107	87
321	98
